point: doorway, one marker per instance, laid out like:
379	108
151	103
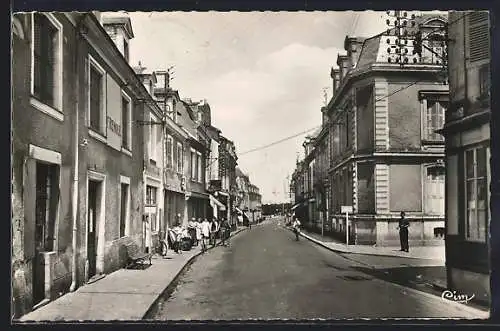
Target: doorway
46	200
92	236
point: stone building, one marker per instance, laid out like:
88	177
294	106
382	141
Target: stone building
385	154
77	154
176	154
468	155
198	149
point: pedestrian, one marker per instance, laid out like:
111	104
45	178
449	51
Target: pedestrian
225	229
296	228
403	232
214	229
205	232
199	234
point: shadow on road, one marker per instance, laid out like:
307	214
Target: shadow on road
429	279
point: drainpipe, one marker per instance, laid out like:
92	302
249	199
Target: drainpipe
74	188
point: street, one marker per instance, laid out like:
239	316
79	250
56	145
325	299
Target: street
266	274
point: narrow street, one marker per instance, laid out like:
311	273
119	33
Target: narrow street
266	274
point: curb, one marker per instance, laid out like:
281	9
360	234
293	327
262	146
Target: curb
360	253
176	277
481	313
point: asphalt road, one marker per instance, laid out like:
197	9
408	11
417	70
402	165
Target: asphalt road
266	274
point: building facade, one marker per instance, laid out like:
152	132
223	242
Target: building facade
468	155
77	155
385	154
176	154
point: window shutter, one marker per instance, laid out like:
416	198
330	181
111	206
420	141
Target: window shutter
29	197
479	36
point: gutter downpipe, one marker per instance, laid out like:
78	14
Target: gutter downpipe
74	188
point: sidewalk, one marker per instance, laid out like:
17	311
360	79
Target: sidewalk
125	294
436	253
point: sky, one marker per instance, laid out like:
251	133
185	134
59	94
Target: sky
262	73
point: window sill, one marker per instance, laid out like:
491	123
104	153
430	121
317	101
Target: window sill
56	114
98	136
126	151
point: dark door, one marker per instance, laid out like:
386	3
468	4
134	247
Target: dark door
42	205
123	209
91	227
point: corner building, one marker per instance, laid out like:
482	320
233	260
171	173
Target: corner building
385	154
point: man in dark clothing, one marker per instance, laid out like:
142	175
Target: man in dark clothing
403	232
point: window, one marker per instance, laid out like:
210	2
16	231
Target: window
434	119
180	158
150	195
434	190
123	208
46	202
479	36
200	177
96	96
152	141
484	81
193	165
476	194
126	122
47	60
170	152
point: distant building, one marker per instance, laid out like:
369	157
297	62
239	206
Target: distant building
468	155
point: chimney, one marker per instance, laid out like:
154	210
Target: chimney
335	75
342	62
119	27
353	46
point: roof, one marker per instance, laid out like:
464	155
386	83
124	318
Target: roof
370	52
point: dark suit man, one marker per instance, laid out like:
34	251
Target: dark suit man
403	232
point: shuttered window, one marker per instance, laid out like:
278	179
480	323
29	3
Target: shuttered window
479	36
45	41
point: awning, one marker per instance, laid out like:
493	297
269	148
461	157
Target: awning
217	203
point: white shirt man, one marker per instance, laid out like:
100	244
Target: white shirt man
205	228
296	224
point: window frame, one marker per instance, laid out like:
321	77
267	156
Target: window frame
152	141
93	64
180	158
193	165
56	110
169	160
199	169
425	185
482	238
425	136
128	145
149	202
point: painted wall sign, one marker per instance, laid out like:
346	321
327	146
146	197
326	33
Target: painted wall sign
114	116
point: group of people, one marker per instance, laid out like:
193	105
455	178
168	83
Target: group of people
208	231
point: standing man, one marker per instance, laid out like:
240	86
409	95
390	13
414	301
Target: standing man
205	232
403	232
